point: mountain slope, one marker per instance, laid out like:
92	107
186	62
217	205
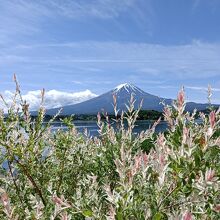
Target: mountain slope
123	93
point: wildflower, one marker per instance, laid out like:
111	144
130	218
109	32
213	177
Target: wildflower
202	115
209	131
167	112
64	216
139	160
209	175
212	118
162	160
5	201
136	166
155	124
168	115
187	216
185	134
180	100
144	158
25	109
57	200
109	193
161	140
94	178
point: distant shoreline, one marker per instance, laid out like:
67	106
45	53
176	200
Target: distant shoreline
143	115
150	115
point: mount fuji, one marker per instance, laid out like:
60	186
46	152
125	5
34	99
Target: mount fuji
123	93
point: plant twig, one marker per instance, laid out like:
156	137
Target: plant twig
161	202
38	190
15	184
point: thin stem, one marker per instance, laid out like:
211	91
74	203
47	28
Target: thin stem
61	173
38	190
161	202
185	202
29	177
14	181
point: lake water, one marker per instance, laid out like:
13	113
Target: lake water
92	127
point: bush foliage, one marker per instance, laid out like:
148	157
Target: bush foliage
115	176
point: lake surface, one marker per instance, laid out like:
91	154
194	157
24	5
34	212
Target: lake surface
92	127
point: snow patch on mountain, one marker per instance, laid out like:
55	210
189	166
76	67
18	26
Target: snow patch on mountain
130	88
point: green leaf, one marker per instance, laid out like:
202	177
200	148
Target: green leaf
160	216
147	145
119	216
87	213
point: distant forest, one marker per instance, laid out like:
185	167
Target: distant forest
143	115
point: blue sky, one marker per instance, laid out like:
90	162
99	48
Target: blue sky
73	45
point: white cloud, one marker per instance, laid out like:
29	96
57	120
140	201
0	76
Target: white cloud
202	88
53	98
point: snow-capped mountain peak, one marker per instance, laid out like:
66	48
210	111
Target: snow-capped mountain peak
127	87
123	92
